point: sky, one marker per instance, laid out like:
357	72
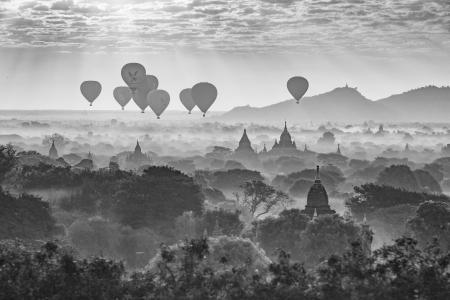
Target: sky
247	48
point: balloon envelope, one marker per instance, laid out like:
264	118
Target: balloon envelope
204	94
123	95
186	99
140	98
297	86
150	83
158	100
133	74
91	90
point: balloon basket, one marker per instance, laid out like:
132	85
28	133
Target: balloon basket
123	108
142	112
158	117
189	113
203	115
90	104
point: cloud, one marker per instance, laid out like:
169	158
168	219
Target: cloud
246	25
62	5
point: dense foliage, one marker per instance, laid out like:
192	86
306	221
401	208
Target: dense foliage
48	176
24	216
327	235
282	232
228	223
432	221
7	159
156	197
402	177
52	273
370	197
397	272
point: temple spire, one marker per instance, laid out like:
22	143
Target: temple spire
244	143
317	174
339	149
137	149
53	153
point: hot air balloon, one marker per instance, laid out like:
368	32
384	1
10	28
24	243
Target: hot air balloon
297	86
140	98
150	83
158	100
204	94
133	74
186	99
123	95
91	90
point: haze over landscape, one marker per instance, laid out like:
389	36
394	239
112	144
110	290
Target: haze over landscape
220	149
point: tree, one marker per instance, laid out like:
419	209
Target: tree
228	222
399	176
43	176
282	232
54	273
24	217
260	198
97	236
370	197
7	159
190	266
389	223
399	271
326	235
156	198
226	268
432	221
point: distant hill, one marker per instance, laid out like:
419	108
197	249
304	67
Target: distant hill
348	105
425	104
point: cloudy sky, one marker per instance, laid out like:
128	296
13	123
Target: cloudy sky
247	48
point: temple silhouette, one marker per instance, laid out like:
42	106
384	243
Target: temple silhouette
137	158
53	153
317	199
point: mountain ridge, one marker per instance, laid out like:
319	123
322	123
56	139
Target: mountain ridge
346	104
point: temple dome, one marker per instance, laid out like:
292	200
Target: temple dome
317	195
317	200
